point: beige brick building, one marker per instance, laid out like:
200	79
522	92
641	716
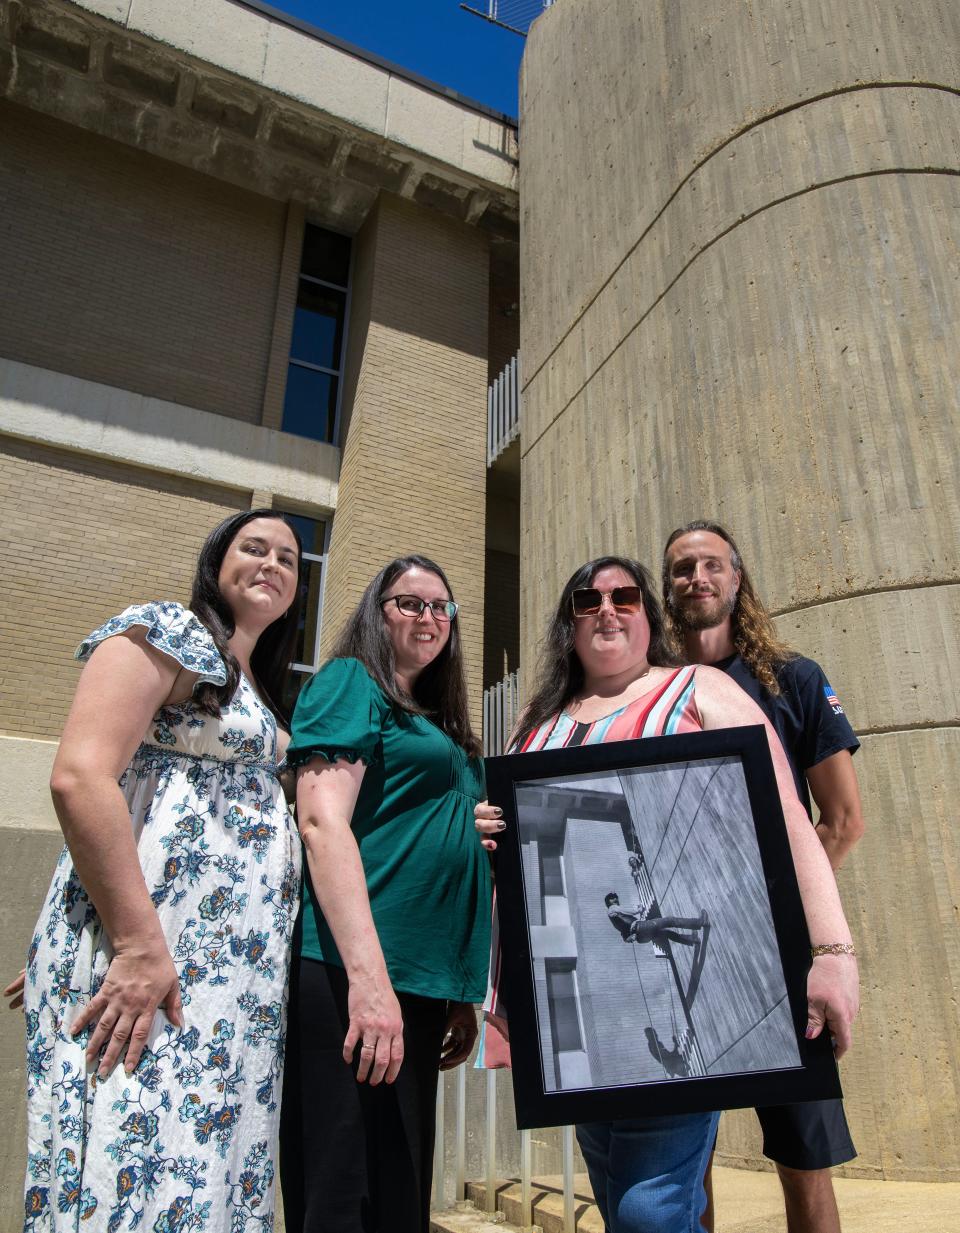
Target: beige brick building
243	264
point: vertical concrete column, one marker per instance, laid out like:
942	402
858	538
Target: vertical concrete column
288	277
413	475
741	300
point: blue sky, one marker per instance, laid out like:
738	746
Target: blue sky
435	38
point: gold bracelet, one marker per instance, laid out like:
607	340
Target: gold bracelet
833	948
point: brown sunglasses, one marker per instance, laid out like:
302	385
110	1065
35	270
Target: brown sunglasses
587	601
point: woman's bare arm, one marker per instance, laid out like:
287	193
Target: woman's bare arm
326	797
121	688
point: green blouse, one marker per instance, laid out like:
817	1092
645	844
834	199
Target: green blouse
427	875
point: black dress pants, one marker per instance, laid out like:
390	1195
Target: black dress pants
355	1158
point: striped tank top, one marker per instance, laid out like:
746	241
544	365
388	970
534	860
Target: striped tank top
668	708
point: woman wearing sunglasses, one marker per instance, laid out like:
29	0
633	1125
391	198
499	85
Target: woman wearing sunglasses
608	674
394	932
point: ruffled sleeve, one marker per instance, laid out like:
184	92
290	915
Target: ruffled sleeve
340	714
172	629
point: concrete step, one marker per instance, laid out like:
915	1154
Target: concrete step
746	1202
547	1203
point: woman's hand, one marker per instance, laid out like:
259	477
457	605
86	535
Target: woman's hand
14	990
459	1036
833	999
488	820
376	1024
141	978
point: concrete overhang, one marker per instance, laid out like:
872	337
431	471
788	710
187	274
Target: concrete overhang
244	94
70	413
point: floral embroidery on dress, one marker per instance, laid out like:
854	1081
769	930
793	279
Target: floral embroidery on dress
188	1141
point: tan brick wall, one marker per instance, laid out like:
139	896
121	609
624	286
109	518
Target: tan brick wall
82	540
413	475
132	271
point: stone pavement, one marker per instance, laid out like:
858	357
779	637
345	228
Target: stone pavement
746	1202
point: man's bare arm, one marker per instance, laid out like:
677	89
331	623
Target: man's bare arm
833	785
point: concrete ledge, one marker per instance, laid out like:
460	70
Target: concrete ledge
25	767
55	409
325	75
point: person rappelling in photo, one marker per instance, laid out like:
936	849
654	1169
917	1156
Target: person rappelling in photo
637	925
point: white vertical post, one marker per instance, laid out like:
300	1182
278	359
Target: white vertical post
569	1198
461	1178
489	424
491	1187
439	1198
526	1210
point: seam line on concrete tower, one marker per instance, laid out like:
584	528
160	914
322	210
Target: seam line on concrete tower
764	119
744	218
887	590
887	729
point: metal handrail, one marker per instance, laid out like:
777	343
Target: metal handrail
503	410
483	1148
501	704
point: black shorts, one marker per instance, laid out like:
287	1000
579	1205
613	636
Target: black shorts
813	1135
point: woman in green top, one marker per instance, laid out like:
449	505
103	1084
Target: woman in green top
394	933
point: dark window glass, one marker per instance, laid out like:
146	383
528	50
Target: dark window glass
306	646
310	405
326	255
311	531
551	873
318	325
562	997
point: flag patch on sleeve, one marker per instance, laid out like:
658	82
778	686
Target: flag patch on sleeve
832	700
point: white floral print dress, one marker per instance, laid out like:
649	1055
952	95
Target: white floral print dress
188	1141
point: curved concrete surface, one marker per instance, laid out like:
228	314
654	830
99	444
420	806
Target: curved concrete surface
741	299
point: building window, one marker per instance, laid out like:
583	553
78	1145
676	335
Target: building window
564	1010
315	537
312	401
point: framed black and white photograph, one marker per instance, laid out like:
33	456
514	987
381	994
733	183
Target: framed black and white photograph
654	947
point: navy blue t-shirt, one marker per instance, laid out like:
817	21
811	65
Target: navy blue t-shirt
806	714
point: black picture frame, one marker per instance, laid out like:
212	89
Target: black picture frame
595	988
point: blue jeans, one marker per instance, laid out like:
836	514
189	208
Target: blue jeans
647	1172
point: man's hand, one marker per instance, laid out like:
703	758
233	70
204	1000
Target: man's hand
459	1036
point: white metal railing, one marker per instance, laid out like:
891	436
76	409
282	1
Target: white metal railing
485	1146
503	410
489	1151
515	15
501	703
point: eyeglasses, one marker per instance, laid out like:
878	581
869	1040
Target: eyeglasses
413	606
587	601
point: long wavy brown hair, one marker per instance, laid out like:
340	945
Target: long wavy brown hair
560	674
754	635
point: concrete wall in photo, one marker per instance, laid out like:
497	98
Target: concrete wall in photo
741	299
696	831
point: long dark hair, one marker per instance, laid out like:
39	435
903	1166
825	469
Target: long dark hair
271	656
754	635
440	690
560	673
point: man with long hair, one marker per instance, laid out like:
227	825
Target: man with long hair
718	619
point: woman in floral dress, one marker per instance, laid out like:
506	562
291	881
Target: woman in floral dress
156	979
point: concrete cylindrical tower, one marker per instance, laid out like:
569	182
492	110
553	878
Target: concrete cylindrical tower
741	300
